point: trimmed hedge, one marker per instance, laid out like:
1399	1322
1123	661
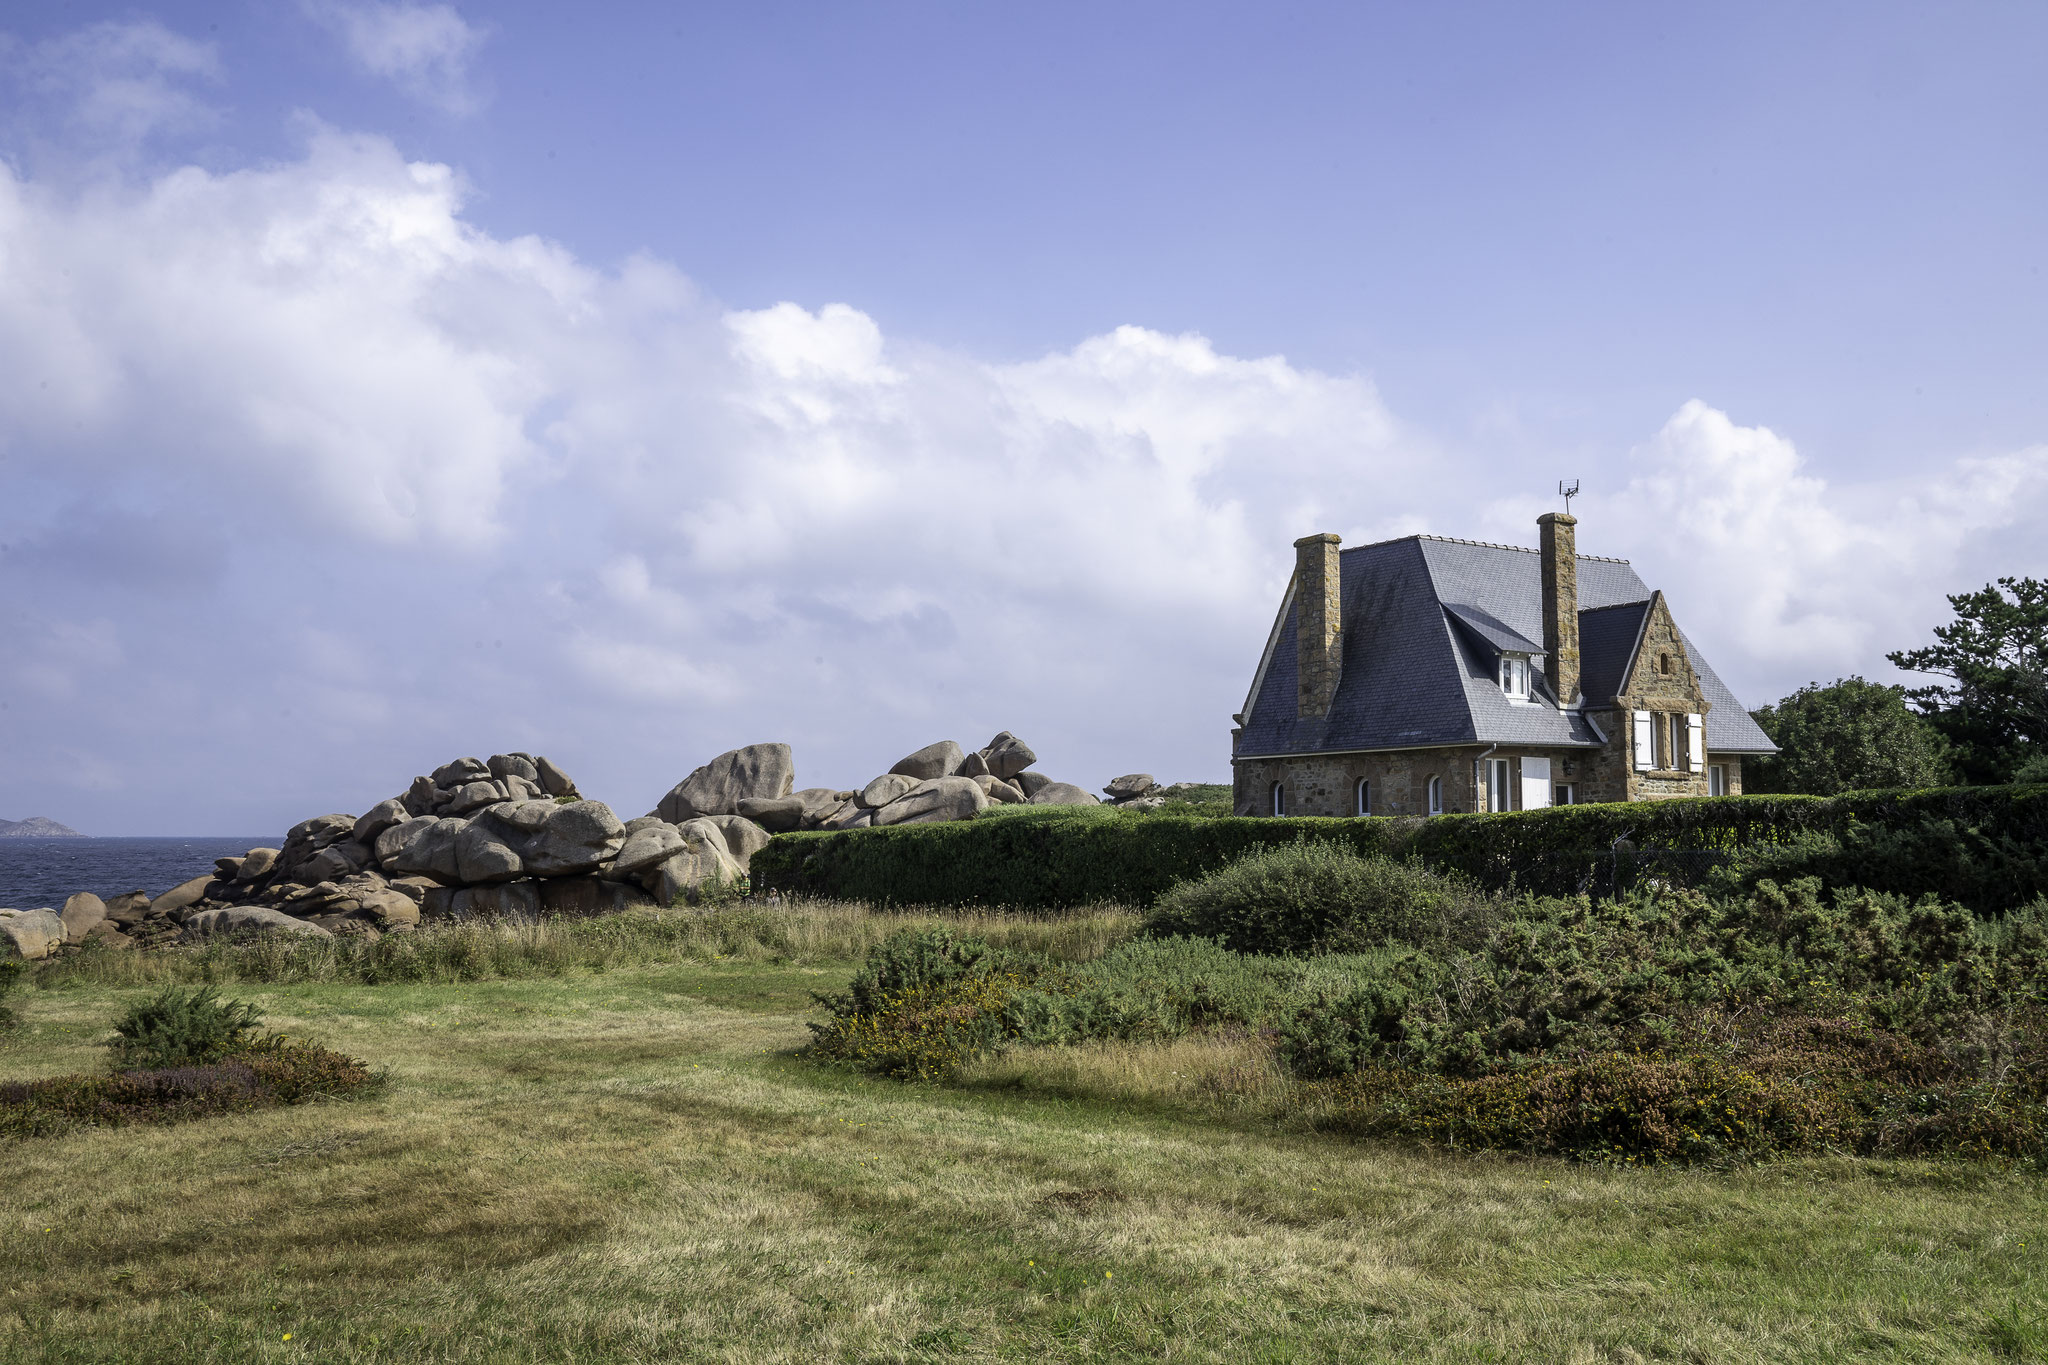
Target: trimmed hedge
1984	847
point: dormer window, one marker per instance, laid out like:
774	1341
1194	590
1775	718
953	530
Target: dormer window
1514	675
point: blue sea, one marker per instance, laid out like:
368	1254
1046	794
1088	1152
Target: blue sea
43	872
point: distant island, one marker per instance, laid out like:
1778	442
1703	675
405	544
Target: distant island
37	827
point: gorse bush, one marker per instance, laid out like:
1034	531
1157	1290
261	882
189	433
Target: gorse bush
1583	977
181	1027
1667	1025
1313	896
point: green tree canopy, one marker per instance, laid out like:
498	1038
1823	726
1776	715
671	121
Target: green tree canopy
1847	736
1994	707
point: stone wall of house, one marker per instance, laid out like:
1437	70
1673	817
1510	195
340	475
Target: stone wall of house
1327	784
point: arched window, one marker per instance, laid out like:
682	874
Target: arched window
1279	798
1364	797
1436	796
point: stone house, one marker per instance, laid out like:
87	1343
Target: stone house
1424	675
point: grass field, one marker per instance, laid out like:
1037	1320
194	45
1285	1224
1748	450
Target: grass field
618	1162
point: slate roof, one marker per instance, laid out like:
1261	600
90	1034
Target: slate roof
1607	644
1425	619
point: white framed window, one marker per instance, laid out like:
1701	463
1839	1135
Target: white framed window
1364	796
1514	675
1717	779
1565	795
1436	796
1500	784
1695	742
1279	798
1535	783
1645	738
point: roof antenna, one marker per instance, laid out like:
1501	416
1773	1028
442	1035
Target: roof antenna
1568	494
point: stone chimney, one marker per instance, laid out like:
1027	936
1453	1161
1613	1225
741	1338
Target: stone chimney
1318	623
1561	604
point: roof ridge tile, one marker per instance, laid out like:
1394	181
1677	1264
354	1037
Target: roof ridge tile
1460	540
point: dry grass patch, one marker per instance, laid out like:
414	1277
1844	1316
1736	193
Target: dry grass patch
804	932
1206	1071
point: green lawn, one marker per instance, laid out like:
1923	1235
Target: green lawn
630	1165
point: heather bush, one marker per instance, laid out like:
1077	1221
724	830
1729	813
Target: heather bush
281	1073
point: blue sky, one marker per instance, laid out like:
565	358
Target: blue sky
861	375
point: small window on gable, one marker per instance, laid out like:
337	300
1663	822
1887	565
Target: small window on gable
1663	663
1364	797
1514	674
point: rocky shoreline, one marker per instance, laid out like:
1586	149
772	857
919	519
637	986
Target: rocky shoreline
512	838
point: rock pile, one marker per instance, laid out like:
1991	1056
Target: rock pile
1134	791
941	781
511	837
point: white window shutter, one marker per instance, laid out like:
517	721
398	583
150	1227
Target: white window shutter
1696	742
1535	783
1646	741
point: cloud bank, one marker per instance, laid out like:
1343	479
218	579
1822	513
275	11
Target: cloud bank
317	481
312	484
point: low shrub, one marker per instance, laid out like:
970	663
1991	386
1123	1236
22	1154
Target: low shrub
180	1027
1734	1088
929	1001
1314	896
11	973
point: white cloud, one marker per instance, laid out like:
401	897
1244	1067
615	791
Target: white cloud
424	49
1798	578
106	88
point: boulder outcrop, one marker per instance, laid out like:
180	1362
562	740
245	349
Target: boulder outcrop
248	919
30	934
758	771
941	798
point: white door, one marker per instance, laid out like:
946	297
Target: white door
1535	783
